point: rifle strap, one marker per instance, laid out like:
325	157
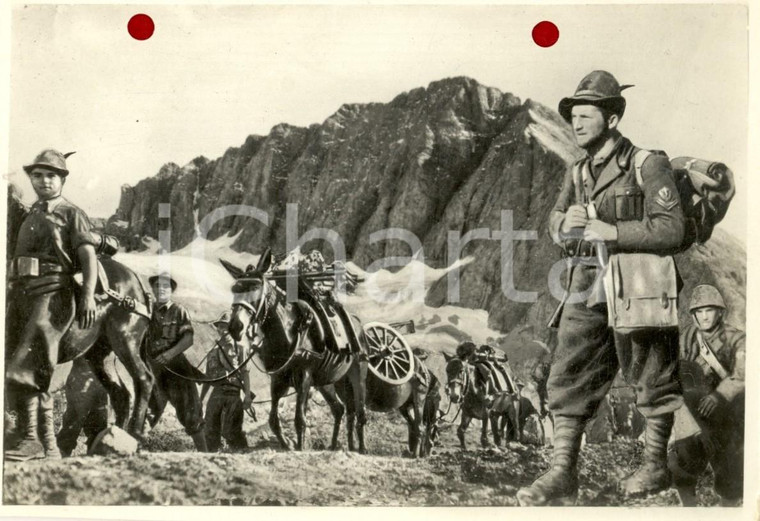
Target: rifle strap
706	353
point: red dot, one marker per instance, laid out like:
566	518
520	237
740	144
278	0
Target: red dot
140	27
545	34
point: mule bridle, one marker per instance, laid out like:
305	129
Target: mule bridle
269	299
463	379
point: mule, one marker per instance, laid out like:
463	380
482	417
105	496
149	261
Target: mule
286	329
501	410
417	400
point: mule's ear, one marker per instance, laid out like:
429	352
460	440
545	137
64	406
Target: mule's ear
232	269
265	261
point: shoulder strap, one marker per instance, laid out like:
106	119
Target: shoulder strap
709	357
639	157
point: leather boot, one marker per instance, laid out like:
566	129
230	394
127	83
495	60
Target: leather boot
47	427
199	438
559	486
653	475
29	447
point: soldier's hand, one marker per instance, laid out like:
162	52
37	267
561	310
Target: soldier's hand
708	405
575	217
163	358
247	401
87	308
597	230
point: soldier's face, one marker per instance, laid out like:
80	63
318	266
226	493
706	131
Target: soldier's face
162	289
589	125
707	317
46	183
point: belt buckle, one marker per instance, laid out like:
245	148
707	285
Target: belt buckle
27	267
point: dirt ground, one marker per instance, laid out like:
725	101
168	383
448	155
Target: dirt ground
166	471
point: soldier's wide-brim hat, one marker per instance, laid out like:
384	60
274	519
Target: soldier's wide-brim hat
163	276
51	159
598	88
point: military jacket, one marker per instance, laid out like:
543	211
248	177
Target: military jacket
648	216
613	188
53	231
728	345
224	358
168	324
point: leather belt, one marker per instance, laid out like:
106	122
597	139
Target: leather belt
33	267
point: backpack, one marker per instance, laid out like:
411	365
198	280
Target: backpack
705	190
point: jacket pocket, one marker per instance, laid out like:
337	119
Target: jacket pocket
629	203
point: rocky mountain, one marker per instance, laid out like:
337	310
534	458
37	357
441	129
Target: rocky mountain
456	157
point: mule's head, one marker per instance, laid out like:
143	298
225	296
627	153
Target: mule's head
456	378
250	294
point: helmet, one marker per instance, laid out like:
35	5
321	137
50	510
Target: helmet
52	159
599	88
224	318
706	295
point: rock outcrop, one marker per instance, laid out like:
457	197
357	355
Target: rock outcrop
453	159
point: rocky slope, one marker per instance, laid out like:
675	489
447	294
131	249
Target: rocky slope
452	157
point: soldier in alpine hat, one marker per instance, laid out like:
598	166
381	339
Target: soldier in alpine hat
170	335
620	199
53	242
712	373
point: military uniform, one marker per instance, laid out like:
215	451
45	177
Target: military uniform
637	195
589	353
719	438
224	411
42	307
170	322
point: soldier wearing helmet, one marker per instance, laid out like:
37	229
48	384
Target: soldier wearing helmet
53	242
617	198
226	408
712	372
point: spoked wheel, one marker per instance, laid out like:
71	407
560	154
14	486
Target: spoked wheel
390	357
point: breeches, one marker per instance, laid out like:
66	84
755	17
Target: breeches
589	354
224	417
182	394
34	328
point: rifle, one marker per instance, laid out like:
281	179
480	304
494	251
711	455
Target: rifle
554	320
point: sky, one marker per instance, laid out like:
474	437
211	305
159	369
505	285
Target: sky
210	76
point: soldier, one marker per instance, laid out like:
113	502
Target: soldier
712	372
630	207
225	408
53	242
171	334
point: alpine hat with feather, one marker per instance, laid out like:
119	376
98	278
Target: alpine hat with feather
598	88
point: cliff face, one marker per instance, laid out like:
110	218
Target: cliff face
455	157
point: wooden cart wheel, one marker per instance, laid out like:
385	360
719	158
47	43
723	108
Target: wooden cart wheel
390	357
